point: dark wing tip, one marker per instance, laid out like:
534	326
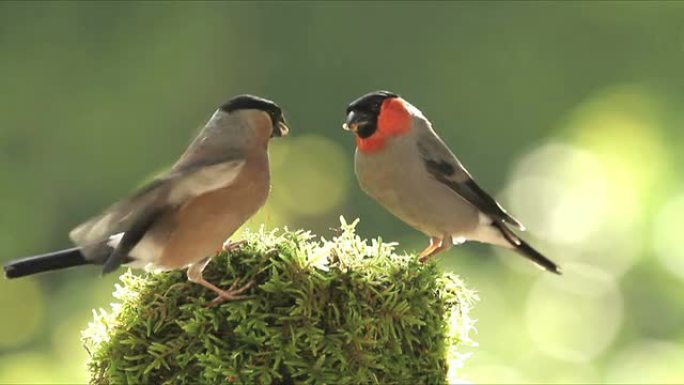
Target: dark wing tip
512	220
527	251
490	206
555	269
10	271
538	258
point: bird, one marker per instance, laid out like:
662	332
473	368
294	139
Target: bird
402	163
180	218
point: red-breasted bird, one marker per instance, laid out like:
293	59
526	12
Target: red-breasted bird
183	216
402	163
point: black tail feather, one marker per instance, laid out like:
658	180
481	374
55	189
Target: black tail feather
45	262
527	251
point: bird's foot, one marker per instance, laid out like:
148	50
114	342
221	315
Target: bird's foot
233	293
437	245
427	253
424	258
232	246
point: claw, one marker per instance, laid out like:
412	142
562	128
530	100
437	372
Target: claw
232	294
232	246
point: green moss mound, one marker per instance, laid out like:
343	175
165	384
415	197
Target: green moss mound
322	311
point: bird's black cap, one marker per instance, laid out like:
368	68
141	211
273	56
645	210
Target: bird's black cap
371	101
364	112
244	102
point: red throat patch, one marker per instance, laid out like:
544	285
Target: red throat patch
394	119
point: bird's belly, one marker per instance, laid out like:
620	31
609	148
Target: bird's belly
199	228
421	201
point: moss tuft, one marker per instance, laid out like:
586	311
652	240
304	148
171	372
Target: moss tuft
322	311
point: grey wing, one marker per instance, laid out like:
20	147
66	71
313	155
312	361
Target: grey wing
443	165
139	211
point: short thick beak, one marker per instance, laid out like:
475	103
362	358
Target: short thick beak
356	119
281	130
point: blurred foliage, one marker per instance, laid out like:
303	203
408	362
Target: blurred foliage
344	310
570	113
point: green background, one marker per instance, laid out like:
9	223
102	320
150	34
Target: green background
569	113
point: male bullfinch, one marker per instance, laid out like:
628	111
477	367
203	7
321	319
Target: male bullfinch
183	216
402	163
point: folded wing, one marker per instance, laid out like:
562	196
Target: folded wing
443	165
133	216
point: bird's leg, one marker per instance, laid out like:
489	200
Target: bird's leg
425	254
447	242
233	292
433	249
228	245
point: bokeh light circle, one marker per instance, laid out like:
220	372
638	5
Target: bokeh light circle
577	316
647	362
561	191
566	197
22	299
310	175
668	236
